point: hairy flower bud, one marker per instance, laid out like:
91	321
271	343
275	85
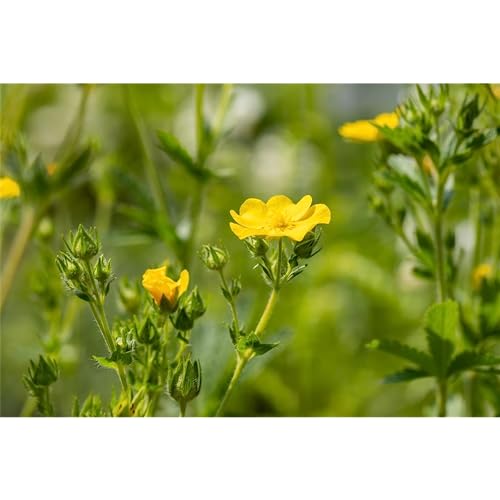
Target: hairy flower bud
306	248
85	244
213	257
184	381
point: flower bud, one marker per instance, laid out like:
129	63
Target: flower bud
102	269
184	381
45	229
258	247
306	248
213	257
85	244
147	333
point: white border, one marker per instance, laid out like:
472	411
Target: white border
249	41
364	458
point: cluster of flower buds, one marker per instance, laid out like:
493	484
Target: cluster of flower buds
74	264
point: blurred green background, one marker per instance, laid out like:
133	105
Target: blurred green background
281	139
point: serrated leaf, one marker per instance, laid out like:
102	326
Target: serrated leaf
104	362
405	375
442	319
420	358
441	350
467	360
171	145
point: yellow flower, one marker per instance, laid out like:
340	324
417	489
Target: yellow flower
51	168
365	130
160	286
481	273
9	188
278	217
428	165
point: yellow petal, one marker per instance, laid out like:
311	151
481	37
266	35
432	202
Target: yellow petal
362	131
248	220
9	188
296	212
183	282
245	232
279	203
390	120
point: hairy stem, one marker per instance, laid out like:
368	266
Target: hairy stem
18	247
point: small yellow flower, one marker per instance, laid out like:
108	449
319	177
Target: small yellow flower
495	89
159	285
9	188
428	165
278	217
365	130
481	273
51	168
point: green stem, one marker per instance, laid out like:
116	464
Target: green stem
438	240
18	247
442	397
182	408
241	361
97	308
244	358
232	304
152	175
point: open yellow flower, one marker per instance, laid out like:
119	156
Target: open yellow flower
159	285
278	217
481	272
9	188
365	130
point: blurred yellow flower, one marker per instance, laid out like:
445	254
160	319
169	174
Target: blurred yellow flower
159	285
9	188
481	273
51	168
278	217
495	88
365	130
428	165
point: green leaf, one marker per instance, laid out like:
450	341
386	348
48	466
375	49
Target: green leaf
441	350
253	342
105	362
467	360
442	319
420	358
405	375
171	145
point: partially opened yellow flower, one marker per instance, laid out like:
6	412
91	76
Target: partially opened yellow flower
481	272
161	287
9	188
278	217
365	130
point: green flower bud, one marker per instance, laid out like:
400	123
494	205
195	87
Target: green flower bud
85	244
306	248
181	320
258	247
184	381
45	229
102	269
147	333
213	257
41	374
